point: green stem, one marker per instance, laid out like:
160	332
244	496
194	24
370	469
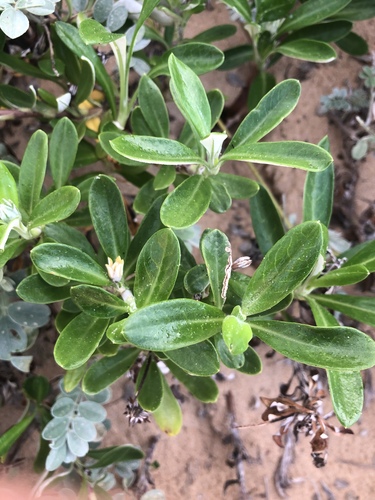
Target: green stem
122	115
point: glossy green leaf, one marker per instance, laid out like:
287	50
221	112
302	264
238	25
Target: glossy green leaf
269	10
242	8
288	154
308	50
97	302
62	233
157	268
237	186
200	359
358	307
286	265
56	206
113	455
109	217
115	332
154	110
73	377
266	220
236	334
341	277
10	436
311	12
104	372
196	280
13	97
216	101
165	177
325	32
322	316
168	415
252	364
220	198
202	388
69	35
233	361
236	57
8	186
172	324
154	150
353	44
36	387
139	125
35	289
346	390
271	110
105	139
361	254
357	10
78	341
93	33
318	192
146	196
86	81
214	246
216	33
33	169
190	97
262	84
68	262
149	386
185	205
62	151
335	348
200	57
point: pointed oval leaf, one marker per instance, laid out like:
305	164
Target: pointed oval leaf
285	266
308	50
361	254
341	277
157	268
97	302
359	307
237	186
109	217
220	198
107	370
165	177
200	360
271	110
8	186
287	154
252	364
92	32
333	348
152	104
202	388
236	334
196	280
114	454
9	437
68	262
173	324
35	289
56	206
346	390
168	415
62	151
150	386
185	205
234	361
78	341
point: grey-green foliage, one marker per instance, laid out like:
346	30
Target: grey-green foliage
76	417
341	99
19	323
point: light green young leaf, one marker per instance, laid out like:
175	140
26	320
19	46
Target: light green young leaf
56	206
287	154
153	108
150	386
190	97
73	377
202	388
220	198
33	169
361	254
234	361
286	265
62	151
236	334
8	186
168	415
358	307
78	341
157	268
97	302
271	110
200	359
237	186
308	50
109	217
334	348
93	33
10	436
340	277
346	390
165	177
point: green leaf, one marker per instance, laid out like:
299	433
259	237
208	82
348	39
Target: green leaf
318	192
97	302
242	8
357	10
150	386
154	150
353	44
200	359
287	153
359	307
165	177
33	169
237	186
190	97
154	110
335	348
196	279
220	198
157	268
216	101
278	103
269	10
68	262
216	33
308	50
346	390
200	57
214	246
361	254
311	12
69	35
62	233
234	361
340	277
109	217
286	265
114	454
62	151
236	334
13	97
86	82
168	415
266	221
35	289
236	57
139	125
146	196
104	372
10	436
321	316
37	388
78	341
185	205
56	206
202	388
172	324
252	364
325	32
8	186
262	84
73	377
93	33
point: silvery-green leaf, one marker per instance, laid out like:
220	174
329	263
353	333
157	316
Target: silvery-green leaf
117	17
84	429
13	22
77	446
92	411
63	407
55	428
79	5
56	457
12	337
56	443
139	65
101	397
47	8
22	363
27	314
102	8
